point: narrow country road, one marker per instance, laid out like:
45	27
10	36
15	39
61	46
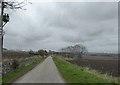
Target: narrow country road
46	72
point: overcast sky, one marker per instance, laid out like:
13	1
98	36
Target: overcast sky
54	25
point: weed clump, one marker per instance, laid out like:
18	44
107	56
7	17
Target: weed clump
15	64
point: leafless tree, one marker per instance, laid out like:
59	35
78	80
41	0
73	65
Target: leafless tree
13	4
76	49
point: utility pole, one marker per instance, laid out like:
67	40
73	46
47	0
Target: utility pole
1	37
1	29
4	18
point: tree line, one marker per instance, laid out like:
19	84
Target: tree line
39	52
16	54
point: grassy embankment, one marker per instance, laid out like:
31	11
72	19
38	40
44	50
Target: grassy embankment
0	80
0	71
76	74
13	75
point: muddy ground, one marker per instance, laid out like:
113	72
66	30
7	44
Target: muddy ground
103	66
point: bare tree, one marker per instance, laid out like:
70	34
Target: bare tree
13	4
80	49
76	49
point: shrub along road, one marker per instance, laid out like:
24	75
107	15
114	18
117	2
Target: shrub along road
46	72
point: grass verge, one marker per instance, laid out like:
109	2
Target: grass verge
0	79
13	75
75	74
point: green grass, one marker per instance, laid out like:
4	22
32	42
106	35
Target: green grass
75	74
0	80
13	75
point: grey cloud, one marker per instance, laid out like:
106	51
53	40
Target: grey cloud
91	11
96	33
56	25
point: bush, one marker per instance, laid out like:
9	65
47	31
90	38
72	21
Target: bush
15	64
42	52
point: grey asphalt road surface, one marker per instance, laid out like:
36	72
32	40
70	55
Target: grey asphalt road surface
46	72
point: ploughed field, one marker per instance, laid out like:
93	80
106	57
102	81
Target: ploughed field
109	67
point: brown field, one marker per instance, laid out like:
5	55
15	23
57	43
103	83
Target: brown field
106	66
100	57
